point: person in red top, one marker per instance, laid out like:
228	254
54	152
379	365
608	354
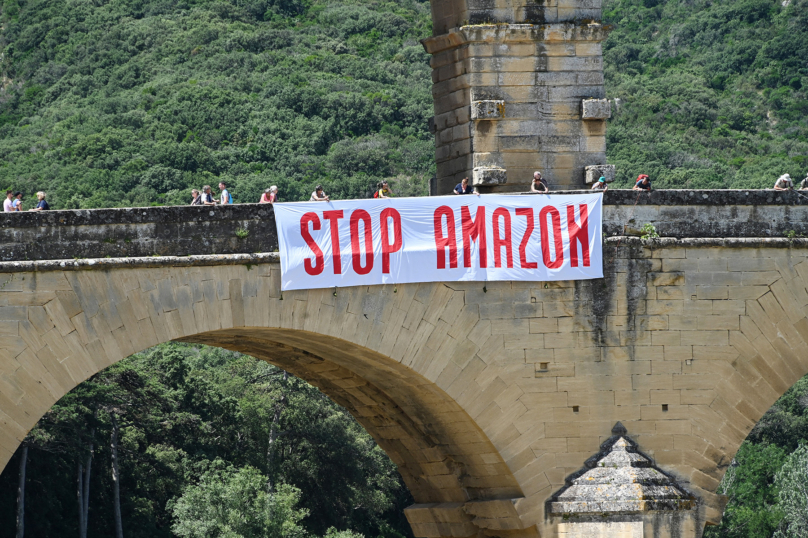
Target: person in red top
270	196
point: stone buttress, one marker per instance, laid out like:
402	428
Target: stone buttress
518	87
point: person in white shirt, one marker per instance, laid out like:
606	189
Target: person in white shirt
226	199
7	207
318	195
207	197
783	183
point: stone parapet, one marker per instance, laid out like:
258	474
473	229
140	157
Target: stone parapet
182	231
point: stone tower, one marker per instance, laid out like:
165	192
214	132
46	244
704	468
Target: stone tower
518	87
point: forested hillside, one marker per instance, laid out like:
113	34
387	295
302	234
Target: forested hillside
202	436
124	102
714	92
134	102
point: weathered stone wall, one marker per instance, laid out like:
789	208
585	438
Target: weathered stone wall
143	231
187	230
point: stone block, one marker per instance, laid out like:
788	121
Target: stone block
595	171
596	109
489	176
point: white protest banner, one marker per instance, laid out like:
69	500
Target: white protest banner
440	239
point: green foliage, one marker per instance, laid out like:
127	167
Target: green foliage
749	483
793	496
648	231
187	416
235	503
765	481
134	103
713	93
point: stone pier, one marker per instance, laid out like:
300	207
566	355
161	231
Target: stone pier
517	88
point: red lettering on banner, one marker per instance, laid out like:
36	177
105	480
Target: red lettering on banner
364	216
333	217
505	241
526	212
319	264
450	241
555	217
578	234
387	248
473	231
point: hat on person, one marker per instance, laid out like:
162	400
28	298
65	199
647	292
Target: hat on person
601	179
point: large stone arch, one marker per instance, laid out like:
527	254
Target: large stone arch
487	395
395	357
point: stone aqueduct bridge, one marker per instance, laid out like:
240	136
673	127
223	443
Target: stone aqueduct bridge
486	396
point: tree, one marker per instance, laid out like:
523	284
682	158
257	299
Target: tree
753	511
234	503
792	480
21	490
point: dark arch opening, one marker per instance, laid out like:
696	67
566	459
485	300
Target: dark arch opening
441	453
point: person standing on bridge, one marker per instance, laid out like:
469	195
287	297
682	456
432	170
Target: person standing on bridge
7	203
207	197
463	187
41	204
16	204
383	191
318	195
196	198
643	183
270	196
784	183
600	184
225	195
804	184
539	184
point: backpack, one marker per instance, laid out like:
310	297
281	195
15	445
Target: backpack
376	194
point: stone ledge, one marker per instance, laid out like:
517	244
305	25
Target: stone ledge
516	33
706	242
143	262
694	197
90	264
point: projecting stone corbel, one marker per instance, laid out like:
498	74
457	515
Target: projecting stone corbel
484	177
596	171
596	109
487	110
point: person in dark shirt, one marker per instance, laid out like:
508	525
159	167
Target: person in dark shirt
41	204
196	198
539	184
463	187
643	183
